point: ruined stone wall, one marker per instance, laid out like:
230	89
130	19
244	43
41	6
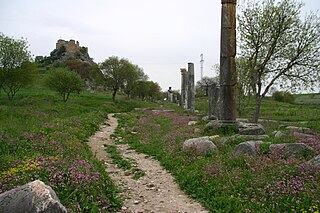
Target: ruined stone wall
71	46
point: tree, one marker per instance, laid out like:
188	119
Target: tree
114	71
279	47
204	84
16	70
154	90
64	82
133	75
243	85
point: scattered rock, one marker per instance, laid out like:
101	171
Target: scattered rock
245	120
302	135
293	128
133	133
279	134
197	130
231	139
251	129
205	118
213	125
315	163
140	109
200	145
32	197
248	148
209	118
297	150
162	110
136	202
192	123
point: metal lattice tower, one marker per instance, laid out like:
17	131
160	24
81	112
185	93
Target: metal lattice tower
201	65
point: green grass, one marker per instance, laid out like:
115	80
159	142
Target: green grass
129	165
306	109
117	158
43	138
223	182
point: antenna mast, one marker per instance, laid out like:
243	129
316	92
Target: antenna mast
201	65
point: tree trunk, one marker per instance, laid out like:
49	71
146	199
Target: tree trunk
114	94
256	113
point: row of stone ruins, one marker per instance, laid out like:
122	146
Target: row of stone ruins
187	94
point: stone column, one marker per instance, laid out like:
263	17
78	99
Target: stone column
170	95
191	92
213	111
228	76
184	75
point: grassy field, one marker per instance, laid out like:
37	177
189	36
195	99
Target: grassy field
223	182
305	110
43	138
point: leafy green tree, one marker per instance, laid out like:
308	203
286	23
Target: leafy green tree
116	73
64	82
243	85
204	84
141	89
16	70
154	90
133	75
279	47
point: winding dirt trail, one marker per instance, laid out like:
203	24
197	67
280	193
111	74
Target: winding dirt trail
155	192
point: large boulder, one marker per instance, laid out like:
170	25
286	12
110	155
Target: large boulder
248	148
297	150
31	198
315	163
200	145
251	129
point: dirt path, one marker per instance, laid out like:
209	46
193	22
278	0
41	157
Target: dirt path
156	191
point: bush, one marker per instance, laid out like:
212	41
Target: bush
64	82
283	97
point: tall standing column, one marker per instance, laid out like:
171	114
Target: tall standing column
183	87
191	92
228	76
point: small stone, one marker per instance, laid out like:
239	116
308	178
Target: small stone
127	173
197	130
192	123
279	134
150	185
136	202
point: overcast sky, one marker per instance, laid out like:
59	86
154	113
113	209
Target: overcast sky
161	36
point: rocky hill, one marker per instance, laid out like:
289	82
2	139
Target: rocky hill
65	51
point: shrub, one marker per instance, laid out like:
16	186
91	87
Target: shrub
64	82
283	97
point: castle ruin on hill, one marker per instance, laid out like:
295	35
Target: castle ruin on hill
71	46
